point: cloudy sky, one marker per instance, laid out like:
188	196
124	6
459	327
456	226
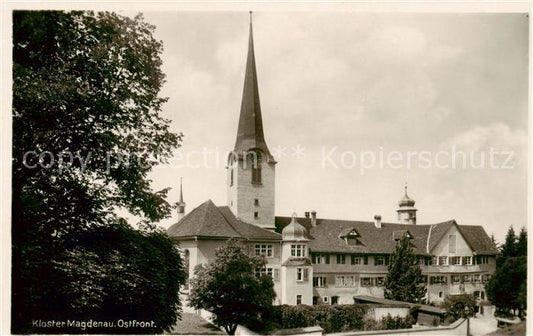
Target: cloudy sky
356	105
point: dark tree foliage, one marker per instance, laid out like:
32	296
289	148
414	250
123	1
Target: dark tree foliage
404	281
509	247
228	288
86	133
507	289
521	243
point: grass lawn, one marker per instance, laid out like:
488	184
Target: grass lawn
192	324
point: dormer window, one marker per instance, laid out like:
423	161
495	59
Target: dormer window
351	237
397	235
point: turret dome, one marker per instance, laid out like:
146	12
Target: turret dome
406	201
294	231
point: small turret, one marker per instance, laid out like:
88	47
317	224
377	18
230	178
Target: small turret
406	210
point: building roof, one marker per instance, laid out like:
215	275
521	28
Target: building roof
478	239
327	235
294	231
209	221
250	134
421	307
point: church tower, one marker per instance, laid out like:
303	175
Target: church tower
406	210
251	167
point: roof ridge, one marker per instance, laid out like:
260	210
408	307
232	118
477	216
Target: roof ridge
231	224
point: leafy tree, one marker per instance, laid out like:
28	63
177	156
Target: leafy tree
86	134
507	287
456	306
229	288
404	281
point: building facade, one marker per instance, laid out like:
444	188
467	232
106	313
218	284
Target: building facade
322	261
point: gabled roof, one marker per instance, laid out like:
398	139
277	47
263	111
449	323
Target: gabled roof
327	236
209	221
478	239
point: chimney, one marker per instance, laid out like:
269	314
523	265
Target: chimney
313	218
377	221
307	214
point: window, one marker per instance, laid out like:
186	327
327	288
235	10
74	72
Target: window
380	281
256	214
439	279
443	261
421	260
351	240
302	274
320	259
356	260
264	249
256	172
231	177
482	259
456	278
298	250
315	300
452	243
456	260
379	260
334	300
434	261
477	294
440	294
319	281
326	299
341	259
467	260
486	278
275	277
298	299
256	202
344	281
482	295
466	278
366	282
264	271
476	278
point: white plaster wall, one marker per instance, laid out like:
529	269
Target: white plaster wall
291	288
242	194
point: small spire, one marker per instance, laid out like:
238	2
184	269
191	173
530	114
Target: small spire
251	17
181	189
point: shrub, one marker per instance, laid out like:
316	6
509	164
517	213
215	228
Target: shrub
330	318
456	305
390	323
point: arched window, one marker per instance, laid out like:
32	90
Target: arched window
186	257
231	176
256	173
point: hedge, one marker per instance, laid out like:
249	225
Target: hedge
337	318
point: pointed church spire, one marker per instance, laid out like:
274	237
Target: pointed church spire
181	205
250	132
181	189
